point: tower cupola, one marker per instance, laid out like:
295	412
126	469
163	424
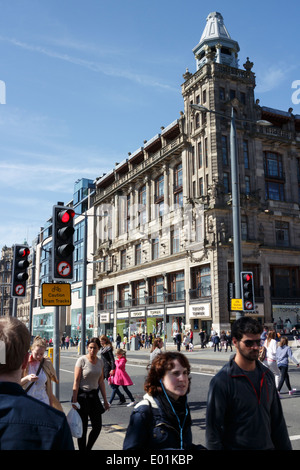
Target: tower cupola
216	44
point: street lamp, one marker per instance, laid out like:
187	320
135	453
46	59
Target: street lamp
236	217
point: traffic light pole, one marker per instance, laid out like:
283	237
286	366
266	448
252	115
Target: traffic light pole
236	222
84	277
56	350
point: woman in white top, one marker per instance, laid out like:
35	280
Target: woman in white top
270	360
88	379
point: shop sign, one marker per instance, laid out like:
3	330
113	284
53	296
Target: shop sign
200	310
104	317
155	313
137	313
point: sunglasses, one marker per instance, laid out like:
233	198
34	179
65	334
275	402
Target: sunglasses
249	343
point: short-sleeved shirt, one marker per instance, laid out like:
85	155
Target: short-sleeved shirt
90	373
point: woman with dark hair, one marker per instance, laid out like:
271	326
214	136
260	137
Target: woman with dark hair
109	363
88	379
162	419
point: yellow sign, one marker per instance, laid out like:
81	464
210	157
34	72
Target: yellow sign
236	304
56	294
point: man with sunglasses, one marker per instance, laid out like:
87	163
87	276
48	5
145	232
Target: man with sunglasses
243	408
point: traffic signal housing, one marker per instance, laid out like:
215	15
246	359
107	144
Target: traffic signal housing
247	289
62	243
19	270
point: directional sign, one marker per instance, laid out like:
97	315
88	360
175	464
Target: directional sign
56	294
236	304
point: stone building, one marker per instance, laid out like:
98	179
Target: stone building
164	214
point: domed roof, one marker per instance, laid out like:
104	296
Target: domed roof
216	42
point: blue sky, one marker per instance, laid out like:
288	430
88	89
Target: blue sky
88	81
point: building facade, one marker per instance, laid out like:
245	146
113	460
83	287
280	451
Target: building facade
165	212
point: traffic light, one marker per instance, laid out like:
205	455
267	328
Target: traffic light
62	243
19	270
247	289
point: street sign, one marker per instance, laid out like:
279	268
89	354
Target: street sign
56	294
236	305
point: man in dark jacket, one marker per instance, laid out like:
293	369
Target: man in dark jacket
25	423
243	408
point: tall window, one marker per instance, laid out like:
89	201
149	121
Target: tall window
159	195
123	259
200	156
201	282
175	240
124	296
274	177
106	297
282	233
224	150
156	289
178	194
246	153
142	205
176	286
138	253
139	289
155	248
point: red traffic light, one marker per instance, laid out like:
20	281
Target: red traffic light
66	216
24	252
247	277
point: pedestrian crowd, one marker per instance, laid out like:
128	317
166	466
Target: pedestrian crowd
243	412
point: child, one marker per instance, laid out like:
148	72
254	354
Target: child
119	377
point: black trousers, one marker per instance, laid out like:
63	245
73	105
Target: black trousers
284	378
90	407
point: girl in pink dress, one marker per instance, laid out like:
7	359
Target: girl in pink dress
119	376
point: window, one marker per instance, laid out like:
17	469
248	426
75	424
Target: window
156	285
224	150
123	259
139	289
106	297
176	286
155	248
273	165
138	253
201	282
226	182
175	240
246	153
159	195
124	296
222	93
282	233
142	205
274	191
244	227
200	156
247	185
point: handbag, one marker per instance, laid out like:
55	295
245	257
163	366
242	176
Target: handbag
38	371
110	379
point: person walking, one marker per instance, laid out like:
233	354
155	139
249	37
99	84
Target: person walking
25	422
178	340
216	341
283	354
156	348
162	419
39	374
270	360
107	356
118	341
88	379
119	377
228	341
243	407
223	341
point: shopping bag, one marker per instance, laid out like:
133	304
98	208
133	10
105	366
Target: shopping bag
110	379
75	422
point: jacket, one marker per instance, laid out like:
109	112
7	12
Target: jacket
120	375
150	428
283	354
238	417
29	424
108	360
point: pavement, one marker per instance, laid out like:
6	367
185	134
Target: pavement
206	361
